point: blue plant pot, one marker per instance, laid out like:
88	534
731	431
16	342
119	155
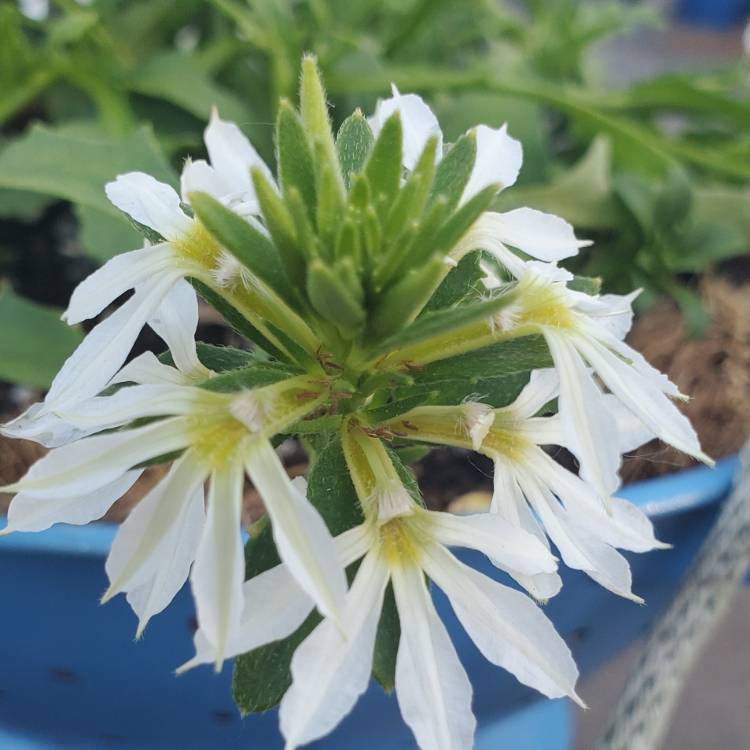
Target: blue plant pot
73	677
717	14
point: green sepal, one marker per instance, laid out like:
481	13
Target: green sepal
281	227
331	201
217	358
251	248
333	298
314	110
441	321
354	143
454	170
348	243
462	284
590	285
404	300
307	240
383	168
237	320
294	155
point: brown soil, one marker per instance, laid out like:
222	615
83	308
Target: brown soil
713	370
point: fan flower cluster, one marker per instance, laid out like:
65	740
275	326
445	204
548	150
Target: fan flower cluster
388	306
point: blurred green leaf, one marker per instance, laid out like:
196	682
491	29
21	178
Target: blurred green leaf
178	78
34	342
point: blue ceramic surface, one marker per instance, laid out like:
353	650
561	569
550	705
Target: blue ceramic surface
71	675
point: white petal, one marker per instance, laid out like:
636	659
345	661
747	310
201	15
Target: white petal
176	321
150	202
91	366
645	400
621	524
543	386
39	424
418	123
219	568
87	465
29	513
587	426
275	605
612	312
434	693
506	626
499	159
118	275
138	401
631	432
579	548
330	671
144	550
543	236
506	544
233	156
302	538
199	176
508	501
146	369
483	235
175	556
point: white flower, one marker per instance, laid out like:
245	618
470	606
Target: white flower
330	671
153	271
535	493
498	159
584	335
168	530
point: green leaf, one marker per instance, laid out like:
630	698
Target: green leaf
34	342
218	358
354	143
454	170
250	376
261	677
463	284
295	157
504	358
383	168
386	641
74	163
179	78
253	249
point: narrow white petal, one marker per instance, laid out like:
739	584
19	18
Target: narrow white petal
631	432
199	176
587	426
509	502
101	354
29	513
118	275
499	159
434	693
506	626
621	524
150	202
175	556
146	369
645	400
42	426
543	386
275	605
330	671
87	465
484	235
579	548
233	156
611	312
418	123
543	236
219	568
508	545
143	551
176	321
302	538
135	402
